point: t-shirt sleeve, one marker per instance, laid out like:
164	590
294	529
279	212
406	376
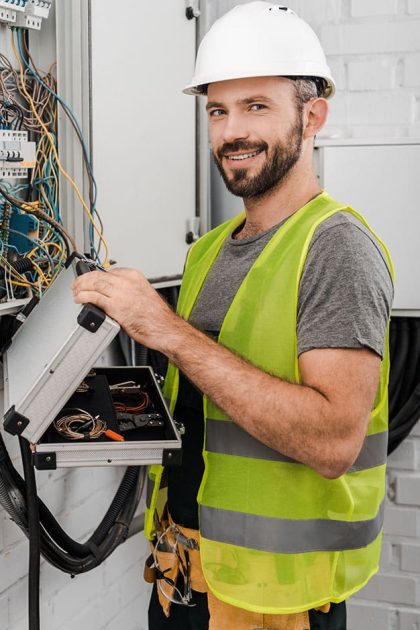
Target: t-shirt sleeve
346	290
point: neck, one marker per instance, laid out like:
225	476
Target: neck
279	203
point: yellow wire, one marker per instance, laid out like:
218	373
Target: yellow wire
61	169
53	244
41	274
16	273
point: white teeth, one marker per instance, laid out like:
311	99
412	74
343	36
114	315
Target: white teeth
244	156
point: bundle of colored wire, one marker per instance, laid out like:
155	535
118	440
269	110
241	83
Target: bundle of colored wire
79	425
29	101
23	58
47	246
129	397
136	406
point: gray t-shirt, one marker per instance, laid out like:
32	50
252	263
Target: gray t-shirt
345	293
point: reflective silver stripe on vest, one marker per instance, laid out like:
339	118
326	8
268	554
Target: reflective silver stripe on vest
277	535
228	438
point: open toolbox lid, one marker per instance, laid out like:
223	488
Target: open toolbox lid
50	355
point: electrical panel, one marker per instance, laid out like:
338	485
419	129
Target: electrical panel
33	244
25	13
16	154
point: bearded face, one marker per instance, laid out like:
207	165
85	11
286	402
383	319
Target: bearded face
256	131
276	161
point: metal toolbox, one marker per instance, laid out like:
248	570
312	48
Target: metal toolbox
49	356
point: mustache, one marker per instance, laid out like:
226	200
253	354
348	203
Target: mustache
240	145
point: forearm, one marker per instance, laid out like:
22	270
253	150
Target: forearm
289	418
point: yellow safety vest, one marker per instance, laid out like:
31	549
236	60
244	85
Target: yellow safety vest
275	536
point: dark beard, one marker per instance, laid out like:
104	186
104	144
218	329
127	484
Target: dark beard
282	158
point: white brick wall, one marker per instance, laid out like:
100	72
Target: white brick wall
111	597
373	49
361	8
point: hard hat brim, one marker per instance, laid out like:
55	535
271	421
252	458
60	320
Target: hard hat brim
199	88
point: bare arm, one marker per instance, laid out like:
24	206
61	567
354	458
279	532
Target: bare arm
321	422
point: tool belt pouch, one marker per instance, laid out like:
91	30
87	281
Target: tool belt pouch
169	568
149	572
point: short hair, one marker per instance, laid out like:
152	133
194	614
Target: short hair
308	88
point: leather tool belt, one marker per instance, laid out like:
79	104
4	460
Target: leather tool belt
164	564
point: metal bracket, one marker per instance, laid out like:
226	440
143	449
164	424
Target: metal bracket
191	9
91	318
14	422
44	461
193	233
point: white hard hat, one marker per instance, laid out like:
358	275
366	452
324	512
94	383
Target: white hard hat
259	39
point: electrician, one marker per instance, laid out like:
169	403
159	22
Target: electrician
281	327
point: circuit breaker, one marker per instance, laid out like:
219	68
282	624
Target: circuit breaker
17	154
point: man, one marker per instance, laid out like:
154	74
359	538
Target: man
294	298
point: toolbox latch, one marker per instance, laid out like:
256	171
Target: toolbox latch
91	317
44	461
14	422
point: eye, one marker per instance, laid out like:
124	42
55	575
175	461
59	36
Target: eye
256	107
216	113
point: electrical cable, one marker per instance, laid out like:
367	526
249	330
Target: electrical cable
404	389
53	147
56	546
34	535
73	120
409	376
27	207
399	360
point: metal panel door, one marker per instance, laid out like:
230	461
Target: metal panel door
143	130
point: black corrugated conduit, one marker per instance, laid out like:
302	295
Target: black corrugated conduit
34	535
404	381
398	362
56	546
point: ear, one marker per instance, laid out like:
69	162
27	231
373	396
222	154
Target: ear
315	117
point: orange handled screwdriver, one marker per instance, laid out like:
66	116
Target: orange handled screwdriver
114	436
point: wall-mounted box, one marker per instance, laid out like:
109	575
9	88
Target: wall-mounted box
381	180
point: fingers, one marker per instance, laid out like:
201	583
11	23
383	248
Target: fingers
133	276
93	297
97	281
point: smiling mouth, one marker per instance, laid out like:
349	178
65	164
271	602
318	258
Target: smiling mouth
243	156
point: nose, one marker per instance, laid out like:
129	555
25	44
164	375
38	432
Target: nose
234	128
